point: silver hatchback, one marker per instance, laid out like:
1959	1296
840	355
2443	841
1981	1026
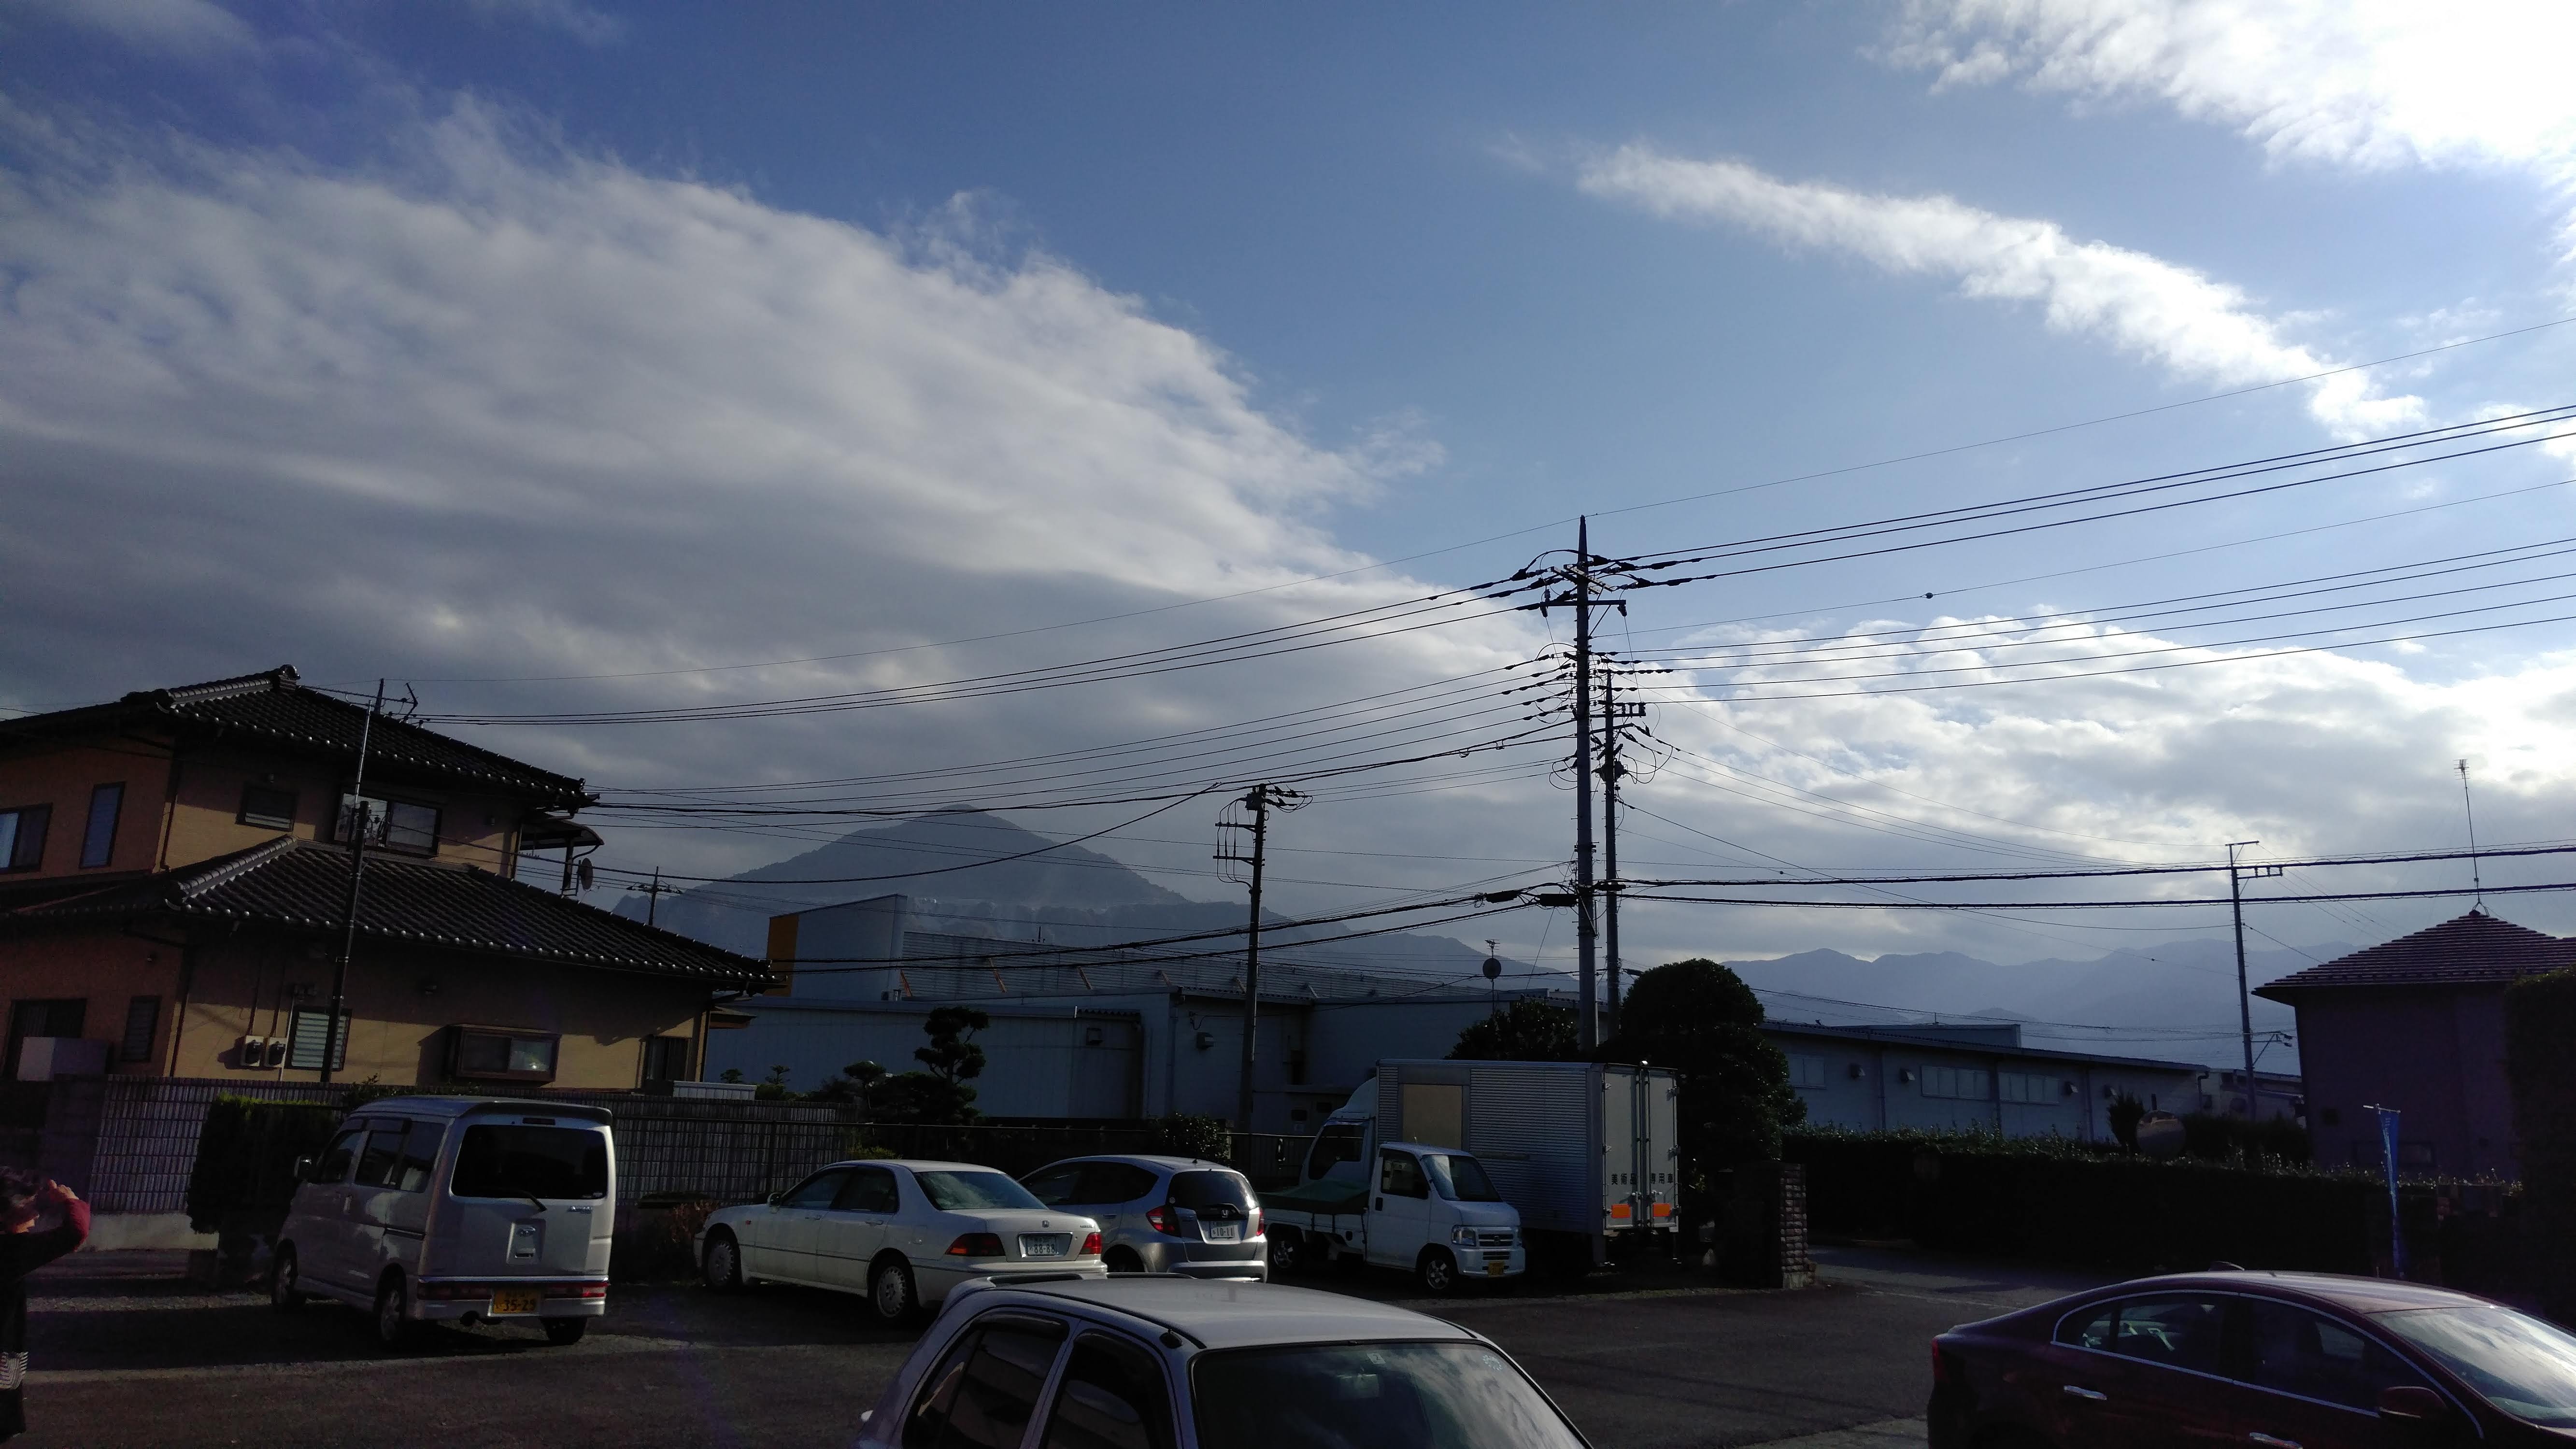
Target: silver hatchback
1162	1214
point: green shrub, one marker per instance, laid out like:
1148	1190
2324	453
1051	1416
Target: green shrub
1184	1135
245	1167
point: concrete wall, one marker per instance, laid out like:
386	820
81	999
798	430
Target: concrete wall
2435	1054
1040	1061
1886	1086
836	942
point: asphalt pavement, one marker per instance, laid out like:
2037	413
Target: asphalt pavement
127	1354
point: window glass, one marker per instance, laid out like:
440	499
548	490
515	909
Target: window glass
1057	1185
869	1190
2514	1361
817	1191
1112	1396
1338	1143
2088	1330
22	836
1371	1396
1117	1182
268	807
1398	1175
666	1058
1201	1190
2293	1351
98	843
504	1054
511	1160
142	1023
1460	1178
307	1036
333	1164
985	1393
952	1192
2180	1331
396	825
381	1159
420	1155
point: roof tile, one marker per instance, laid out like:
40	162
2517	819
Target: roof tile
2472	950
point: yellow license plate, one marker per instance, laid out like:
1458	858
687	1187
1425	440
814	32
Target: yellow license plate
514	1300
1493	1270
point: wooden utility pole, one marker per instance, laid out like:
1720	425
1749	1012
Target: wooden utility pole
1260	800
357	826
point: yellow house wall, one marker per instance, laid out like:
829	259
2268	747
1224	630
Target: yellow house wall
63	778
205	821
402	1001
108	970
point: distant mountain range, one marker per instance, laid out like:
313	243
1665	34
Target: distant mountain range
973	874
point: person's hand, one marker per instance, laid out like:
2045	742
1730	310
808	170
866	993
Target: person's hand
54	1191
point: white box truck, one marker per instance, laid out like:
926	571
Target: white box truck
1588	1152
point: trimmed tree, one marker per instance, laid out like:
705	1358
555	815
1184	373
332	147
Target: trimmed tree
1700	1019
1525	1031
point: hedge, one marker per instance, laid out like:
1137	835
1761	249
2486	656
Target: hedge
2539	1025
245	1168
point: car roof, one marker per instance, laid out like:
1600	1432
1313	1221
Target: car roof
461	1106
2360	1295
1234	1312
1149	1159
917	1164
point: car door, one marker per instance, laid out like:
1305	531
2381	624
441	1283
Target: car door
2142	1373
985	1391
854	1231
373	1193
788	1231
2314	1381
1400	1210
323	1248
1113	1394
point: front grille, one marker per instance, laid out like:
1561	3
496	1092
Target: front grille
1494	1238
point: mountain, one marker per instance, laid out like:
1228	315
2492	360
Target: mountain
2177	1001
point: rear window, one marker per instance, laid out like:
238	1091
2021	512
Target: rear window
1202	1189
1371	1396
507	1160
964	1192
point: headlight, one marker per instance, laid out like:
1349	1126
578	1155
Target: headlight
1464	1235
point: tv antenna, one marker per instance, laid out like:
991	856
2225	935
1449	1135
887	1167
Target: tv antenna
2469	808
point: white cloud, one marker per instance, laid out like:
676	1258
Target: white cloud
187	27
581	22
2171	315
2359	83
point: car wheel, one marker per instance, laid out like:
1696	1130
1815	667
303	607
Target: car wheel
283	1294
565	1330
393	1305
1123	1260
1438	1271
892	1294
723	1265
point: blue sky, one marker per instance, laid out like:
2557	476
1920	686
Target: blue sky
535	339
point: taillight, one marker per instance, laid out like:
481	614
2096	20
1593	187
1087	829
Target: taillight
1940	1366
1091	1246
1160	1218
1254	1230
975	1245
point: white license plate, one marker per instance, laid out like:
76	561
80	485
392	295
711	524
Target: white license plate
1041	1248
1222	1232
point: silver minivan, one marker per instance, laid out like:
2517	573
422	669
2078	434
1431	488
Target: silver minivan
1162	1214
455	1208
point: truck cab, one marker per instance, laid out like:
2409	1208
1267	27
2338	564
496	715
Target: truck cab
1418	1207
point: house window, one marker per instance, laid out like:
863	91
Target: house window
305	1039
267	807
142	1022
22	836
666	1059
1964	1083
2031	1088
61	1017
1806	1071
399	826
98	843
498	1054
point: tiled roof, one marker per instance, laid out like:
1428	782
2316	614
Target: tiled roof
2472	950
300	885
274	707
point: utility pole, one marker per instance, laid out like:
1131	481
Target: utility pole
1612	711
1260	800
1587	1029
332	1045
2244	992
653	896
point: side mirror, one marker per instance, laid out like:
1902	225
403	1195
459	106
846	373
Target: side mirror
2414	1406
303	1168
778	1197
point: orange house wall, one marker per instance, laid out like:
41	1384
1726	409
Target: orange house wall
106	969
63	779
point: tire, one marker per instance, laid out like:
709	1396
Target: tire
1279	1252
892	1293
392	1329
1123	1260
565	1330
722	1270
1438	1272
283	1294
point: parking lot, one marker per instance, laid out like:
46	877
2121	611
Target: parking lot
127	1354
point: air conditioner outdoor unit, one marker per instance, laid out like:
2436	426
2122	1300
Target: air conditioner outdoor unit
250	1051
276	1056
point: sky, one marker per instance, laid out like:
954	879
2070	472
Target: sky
552	359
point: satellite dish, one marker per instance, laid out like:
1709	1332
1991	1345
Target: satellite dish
1493	969
581	873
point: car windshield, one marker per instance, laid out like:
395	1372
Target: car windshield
2516	1362
964	1192
1372	1396
501	1160
1460	1179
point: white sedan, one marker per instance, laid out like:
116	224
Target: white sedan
903	1233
